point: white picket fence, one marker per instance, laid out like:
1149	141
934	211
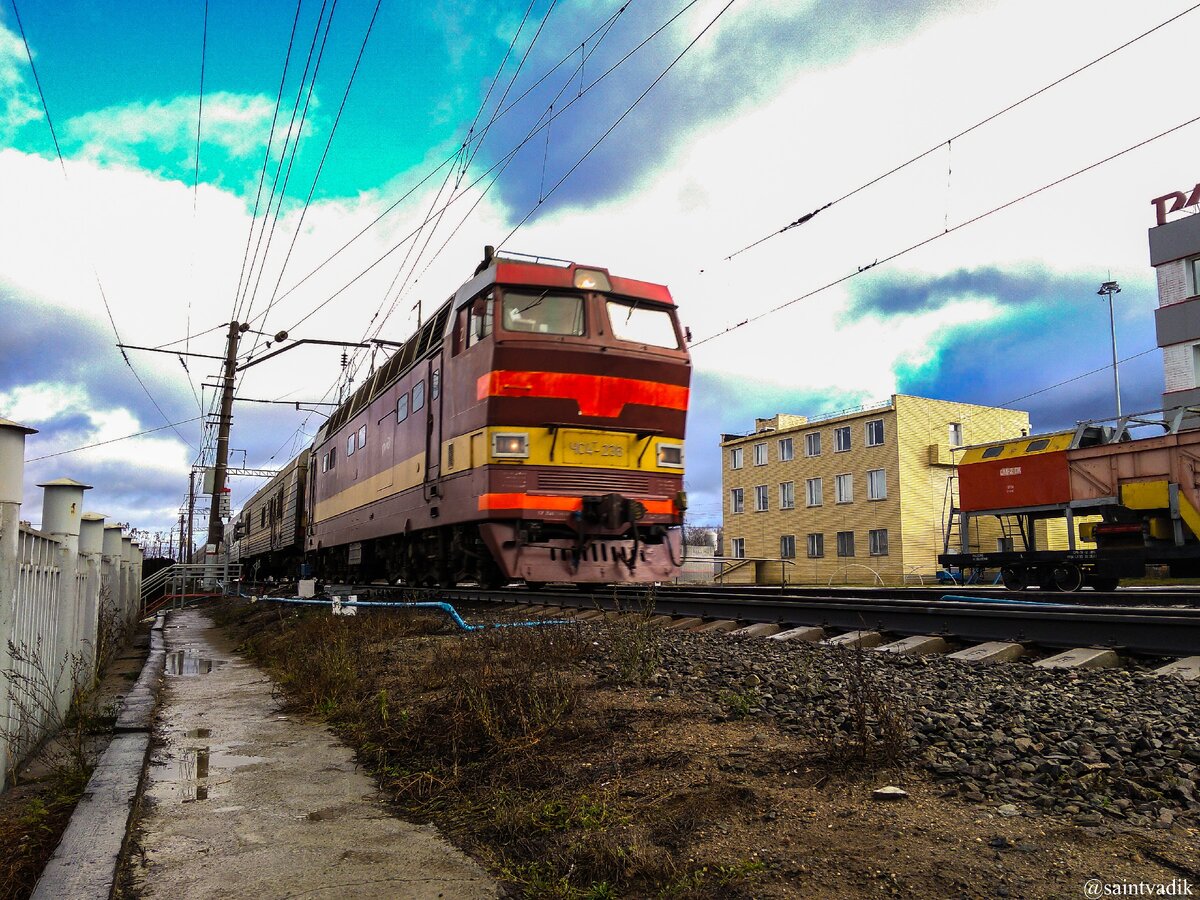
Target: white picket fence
64	591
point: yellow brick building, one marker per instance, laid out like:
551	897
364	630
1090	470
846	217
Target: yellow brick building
858	496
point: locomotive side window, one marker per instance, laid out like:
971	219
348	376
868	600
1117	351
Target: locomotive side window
350	446
1040	444
992	452
642	325
543	313
480	321
435	384
418	395
332	457
402	408
362	436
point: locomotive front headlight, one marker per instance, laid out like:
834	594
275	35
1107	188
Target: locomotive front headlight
591	280
510	445
670	456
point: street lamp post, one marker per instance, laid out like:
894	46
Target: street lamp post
1107	289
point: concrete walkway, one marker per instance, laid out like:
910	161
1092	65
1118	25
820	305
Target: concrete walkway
244	801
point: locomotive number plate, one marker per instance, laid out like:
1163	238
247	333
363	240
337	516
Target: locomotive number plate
595	450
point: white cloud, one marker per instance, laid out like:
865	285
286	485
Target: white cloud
238	123
34	403
20	104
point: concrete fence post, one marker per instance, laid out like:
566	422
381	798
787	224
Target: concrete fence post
62	515
91	548
126	577
12	471
111	578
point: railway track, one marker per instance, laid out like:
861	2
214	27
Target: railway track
1142	630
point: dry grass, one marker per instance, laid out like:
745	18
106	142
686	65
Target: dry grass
507	741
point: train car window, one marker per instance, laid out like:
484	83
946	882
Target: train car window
642	324
402	407
435	384
542	313
418	395
1040	444
362	436
350	446
992	452
480	322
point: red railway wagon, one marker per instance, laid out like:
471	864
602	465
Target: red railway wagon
532	428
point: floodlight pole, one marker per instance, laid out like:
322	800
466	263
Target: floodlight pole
1107	289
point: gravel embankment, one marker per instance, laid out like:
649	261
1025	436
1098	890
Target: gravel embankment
1102	747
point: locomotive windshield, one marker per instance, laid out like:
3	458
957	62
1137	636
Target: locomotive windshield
642	325
543	313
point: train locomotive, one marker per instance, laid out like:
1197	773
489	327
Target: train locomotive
1125	503
531	429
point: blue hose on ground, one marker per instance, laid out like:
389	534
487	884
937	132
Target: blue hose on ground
960	599
423	604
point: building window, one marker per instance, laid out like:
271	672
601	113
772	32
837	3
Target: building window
402	408
760	454
875	432
735	458
785	449
1192	267
879	542
841	439
739	548
814	493
876	484
843	487
956	438
845	541
1196	365
812	444
362	436
787	546
760	497
816	546
787	495
737	500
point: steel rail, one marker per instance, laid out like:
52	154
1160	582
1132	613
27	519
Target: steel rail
1154	631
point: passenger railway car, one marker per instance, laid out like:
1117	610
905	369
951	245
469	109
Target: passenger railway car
532	428
1141	496
268	533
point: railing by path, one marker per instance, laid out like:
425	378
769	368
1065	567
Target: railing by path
183	580
66	592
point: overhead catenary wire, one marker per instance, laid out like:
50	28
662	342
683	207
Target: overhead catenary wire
124	437
941	234
95	273
512	152
945	142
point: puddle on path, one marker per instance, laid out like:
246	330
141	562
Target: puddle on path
187	662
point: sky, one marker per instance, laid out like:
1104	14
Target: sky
342	194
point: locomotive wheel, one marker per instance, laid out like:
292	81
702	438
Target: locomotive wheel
1067	577
1014	578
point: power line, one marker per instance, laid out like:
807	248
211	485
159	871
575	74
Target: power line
945	143
115	440
96	274
262	175
942	234
502	161
1075	378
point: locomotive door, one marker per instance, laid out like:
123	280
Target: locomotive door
433	423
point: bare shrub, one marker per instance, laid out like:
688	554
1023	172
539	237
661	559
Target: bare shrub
870	726
635	639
